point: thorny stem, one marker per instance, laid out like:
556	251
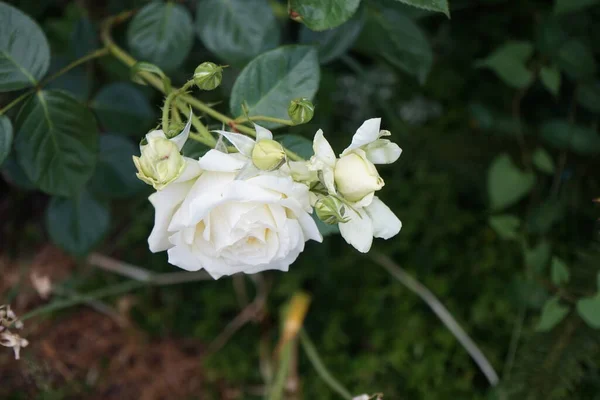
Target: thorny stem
76	63
167	106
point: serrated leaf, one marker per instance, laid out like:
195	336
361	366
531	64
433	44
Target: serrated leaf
563	135
506	226
589	310
431	5
270	81
56	142
509	63
298	144
153	69
560	271
550	77
319	15
162	34
507	184
333	43
115	174
123	108
568	6
77	224
576	60
224	29
6	137
24	50
552	314
543	161
588	95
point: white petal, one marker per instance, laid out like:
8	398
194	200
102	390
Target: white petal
243	143
262	133
328	175
182	137
382	151
385	222
165	203
365	201
322	149
181	254
367	133
358	231
153	134
191	171
214	160
307	223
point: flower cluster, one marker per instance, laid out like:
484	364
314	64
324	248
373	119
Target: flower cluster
250	210
8	319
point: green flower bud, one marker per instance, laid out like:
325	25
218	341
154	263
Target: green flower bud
268	155
208	75
175	129
301	110
330	210
160	163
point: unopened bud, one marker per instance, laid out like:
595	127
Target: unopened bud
160	163
331	210
208	75
175	129
356	176
268	155
301	110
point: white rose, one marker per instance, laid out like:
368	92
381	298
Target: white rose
356	177
227	225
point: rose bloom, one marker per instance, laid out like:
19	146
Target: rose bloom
227	225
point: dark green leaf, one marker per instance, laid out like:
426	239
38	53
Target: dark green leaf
588	96
162	34
543	216
567	6
506	226
115	173
552	313
551	79
270	81
77	224
431	5
6	137
153	69
560	271
24	50
537	258
57	142
333	43
14	174
84	38
507	184
509	63
543	161
77	81
564	135
123	108
319	15
589	310
225	29
194	149
577	60
298	144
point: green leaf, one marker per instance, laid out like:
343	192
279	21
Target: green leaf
270	81
153	69
577	60
567	6
506	226
84	38
14	174
431	5
123	108
552	313
6	137
563	135
56	142
588	96
162	34
237	30
560	271
24	50
77	224
397	39
543	161
77	81
509	63
296	143
507	184
319	15
589	310
543	216
115	174
333	43
537	258
551	79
